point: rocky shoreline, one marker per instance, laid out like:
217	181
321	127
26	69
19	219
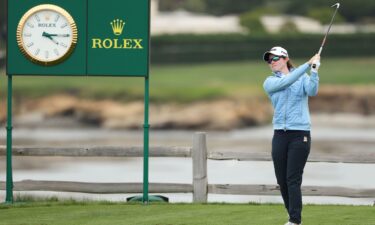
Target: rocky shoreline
223	114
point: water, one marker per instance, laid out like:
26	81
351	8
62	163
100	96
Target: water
329	137
179	170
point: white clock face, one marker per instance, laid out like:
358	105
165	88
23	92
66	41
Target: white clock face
47	34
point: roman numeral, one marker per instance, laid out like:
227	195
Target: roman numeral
62	44
37	51
30	44
30	25
46	54
37	18
64	25
57	18
56	52
27	34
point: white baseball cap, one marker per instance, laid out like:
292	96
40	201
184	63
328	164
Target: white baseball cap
277	50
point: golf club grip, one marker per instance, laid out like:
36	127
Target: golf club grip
313	66
320	51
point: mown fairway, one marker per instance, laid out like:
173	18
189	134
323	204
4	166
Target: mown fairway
186	83
63	213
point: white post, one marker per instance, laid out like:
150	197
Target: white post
199	156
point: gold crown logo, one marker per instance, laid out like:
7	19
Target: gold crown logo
47	16
117	26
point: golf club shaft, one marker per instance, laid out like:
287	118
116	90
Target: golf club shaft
329	28
320	50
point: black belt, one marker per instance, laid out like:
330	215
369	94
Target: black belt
291	131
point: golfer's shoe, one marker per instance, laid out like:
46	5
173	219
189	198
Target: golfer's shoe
290	223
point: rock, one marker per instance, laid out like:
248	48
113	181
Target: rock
223	114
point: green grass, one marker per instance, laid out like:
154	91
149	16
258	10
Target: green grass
187	83
96	213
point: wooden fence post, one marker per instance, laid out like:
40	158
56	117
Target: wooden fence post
199	156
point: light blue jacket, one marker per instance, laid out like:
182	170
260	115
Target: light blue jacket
289	96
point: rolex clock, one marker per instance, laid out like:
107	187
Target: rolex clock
47	34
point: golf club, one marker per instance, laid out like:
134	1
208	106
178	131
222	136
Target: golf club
337	5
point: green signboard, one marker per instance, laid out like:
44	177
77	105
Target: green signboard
118	39
78	37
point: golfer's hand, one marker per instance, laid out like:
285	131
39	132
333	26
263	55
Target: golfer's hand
315	66
313	59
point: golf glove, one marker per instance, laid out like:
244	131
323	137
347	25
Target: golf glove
317	65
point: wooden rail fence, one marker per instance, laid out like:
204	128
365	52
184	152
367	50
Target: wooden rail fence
199	186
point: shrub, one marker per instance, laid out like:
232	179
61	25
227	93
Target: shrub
252	19
233	47
324	15
289	27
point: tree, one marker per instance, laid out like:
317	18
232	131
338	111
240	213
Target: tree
355	11
2	18
351	10
252	19
222	7
215	7
170	5
190	5
324	15
195	6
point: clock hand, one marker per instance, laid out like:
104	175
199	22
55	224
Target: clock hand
47	35
54	40
59	35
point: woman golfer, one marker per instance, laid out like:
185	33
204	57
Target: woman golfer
288	89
